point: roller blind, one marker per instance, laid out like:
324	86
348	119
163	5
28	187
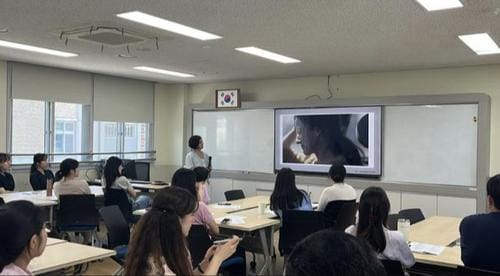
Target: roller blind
123	100
33	82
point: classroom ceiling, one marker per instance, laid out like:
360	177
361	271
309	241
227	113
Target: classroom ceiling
328	36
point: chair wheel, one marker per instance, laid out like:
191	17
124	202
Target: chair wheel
253	265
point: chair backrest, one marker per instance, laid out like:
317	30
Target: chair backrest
463	271
119	198
116	224
234	194
414	215
77	211
393	268
332	211
392	222
346	216
296	225
142	171
198	243
2	202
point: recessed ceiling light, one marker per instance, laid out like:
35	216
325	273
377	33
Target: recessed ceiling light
35	49
481	43
436	5
162	71
167	25
267	54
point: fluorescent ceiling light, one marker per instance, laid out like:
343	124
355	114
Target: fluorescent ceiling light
167	25
436	5
267	54
35	49
481	43
162	71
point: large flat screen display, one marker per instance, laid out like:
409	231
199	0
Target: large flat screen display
310	140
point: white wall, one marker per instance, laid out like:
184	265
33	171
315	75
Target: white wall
474	79
3	106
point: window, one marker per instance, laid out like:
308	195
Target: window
121	137
28	129
49	127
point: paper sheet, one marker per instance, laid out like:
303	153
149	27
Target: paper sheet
425	248
233	219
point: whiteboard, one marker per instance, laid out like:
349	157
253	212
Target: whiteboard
430	144
240	140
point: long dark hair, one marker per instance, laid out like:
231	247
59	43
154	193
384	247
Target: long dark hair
285	195
37	158
374	207
111	170
65	168
158	235
185	178
20	220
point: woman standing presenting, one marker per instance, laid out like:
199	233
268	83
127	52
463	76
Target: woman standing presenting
196	157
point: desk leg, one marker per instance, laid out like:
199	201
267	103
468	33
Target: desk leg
51	215
266	250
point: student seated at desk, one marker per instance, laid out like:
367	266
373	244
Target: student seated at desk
202	174
67	181
480	234
374	209
286	196
158	244
185	178
40	175
329	252
22	236
6	180
339	190
113	179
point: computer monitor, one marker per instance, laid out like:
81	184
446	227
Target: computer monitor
142	171
129	169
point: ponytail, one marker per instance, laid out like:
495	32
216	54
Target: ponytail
66	166
374	209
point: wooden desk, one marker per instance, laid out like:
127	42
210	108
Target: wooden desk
436	230
257	229
439	231
52	241
153	187
66	254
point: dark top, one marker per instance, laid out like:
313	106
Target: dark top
38	180
7	181
480	241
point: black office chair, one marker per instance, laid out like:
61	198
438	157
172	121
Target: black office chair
199	242
119	198
414	215
392	222
2	202
393	268
118	232
332	211
466	271
346	216
296	225
77	213
142	171
234	194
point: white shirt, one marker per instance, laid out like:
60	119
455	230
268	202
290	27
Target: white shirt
396	248
193	160
338	191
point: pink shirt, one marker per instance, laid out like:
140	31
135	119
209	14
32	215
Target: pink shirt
12	269
203	215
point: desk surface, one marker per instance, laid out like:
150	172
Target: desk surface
149	186
53	241
436	230
40	198
439	231
66	254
